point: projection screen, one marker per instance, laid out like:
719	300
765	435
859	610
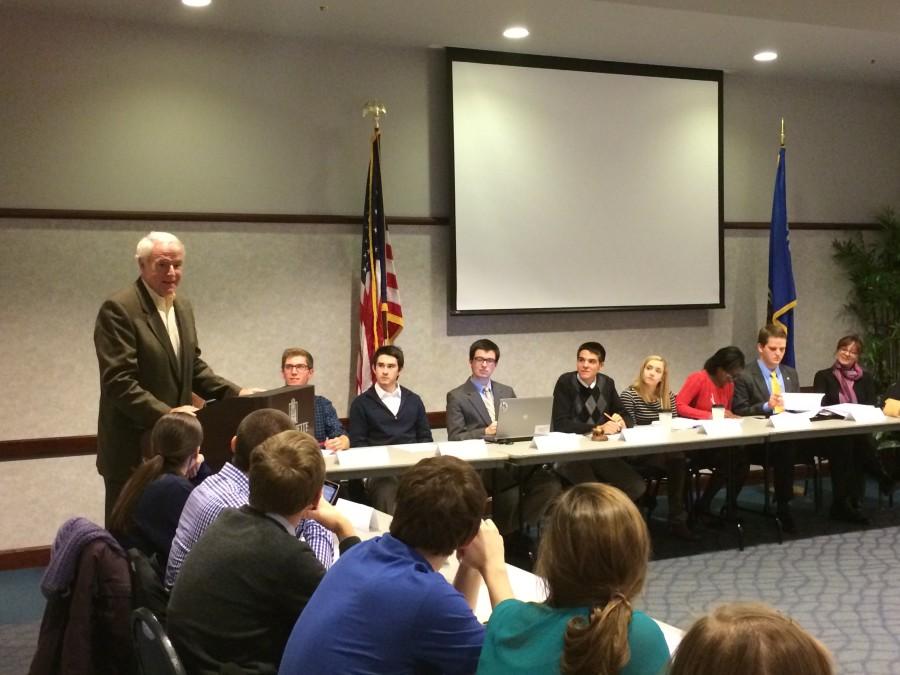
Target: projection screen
584	185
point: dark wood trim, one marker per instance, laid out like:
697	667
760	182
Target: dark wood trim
39	448
70	446
804	226
184	216
20	558
313	219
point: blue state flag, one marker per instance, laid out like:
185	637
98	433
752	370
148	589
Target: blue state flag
782	294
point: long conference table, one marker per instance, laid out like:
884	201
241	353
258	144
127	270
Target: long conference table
393	460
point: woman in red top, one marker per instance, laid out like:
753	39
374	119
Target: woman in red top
714	386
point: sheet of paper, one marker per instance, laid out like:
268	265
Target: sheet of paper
471	449
787	420
682	423
417	448
857	412
800	402
373	456
645	434
557	442
719	428
362	517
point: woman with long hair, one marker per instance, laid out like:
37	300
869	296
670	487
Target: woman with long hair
748	638
593	560
851	457
647	397
146	513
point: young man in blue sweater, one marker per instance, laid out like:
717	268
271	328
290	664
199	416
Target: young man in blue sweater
387	414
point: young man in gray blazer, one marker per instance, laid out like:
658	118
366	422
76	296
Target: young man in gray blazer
472	407
472	413
758	391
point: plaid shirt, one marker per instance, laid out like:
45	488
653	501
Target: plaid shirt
230	488
328	425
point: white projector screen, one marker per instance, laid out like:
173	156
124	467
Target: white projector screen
584	185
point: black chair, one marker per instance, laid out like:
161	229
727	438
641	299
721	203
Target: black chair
155	653
147	589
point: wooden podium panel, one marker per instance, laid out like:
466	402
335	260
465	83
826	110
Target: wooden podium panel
220	419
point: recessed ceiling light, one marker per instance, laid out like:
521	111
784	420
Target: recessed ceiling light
765	56
196	3
515	32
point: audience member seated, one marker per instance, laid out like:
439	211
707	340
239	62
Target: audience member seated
248	578
701	392
148	508
593	558
387	414
230	488
586	401
297	369
385	607
758	391
850	457
644	400
749	639
472	410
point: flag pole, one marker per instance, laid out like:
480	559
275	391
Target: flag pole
782	132
377	110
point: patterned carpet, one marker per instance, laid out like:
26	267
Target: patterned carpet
843	588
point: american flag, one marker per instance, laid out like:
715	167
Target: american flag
380	313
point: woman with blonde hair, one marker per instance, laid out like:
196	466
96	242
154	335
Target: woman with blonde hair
647	397
749	639
593	560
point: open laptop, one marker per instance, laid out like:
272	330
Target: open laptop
517	418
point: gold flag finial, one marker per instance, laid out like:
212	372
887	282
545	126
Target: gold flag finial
782	132
375	108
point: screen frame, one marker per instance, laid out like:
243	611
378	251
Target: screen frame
455	54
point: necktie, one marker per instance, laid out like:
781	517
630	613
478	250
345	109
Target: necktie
488	397
776	389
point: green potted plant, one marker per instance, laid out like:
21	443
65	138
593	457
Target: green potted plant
873	269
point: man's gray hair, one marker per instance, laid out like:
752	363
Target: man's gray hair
145	245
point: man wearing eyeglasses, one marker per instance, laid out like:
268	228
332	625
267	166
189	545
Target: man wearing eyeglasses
472	413
472	406
297	369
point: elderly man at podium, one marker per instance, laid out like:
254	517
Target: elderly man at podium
149	359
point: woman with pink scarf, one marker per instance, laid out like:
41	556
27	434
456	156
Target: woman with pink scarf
846	382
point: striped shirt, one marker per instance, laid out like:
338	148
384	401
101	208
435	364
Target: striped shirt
230	488
641	411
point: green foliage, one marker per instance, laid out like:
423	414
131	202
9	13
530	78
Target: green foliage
874	272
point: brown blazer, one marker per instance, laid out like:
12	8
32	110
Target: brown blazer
140	378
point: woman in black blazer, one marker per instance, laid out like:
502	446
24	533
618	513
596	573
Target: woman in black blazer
846	382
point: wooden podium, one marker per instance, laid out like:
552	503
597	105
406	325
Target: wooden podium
220	419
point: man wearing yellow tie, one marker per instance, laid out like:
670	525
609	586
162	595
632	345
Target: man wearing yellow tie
758	391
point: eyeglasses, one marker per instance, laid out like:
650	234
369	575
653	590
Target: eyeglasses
847	350
481	360
296	366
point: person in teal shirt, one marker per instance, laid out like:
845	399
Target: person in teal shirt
593	558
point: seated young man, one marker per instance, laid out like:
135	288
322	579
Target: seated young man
229	488
387	414
297	369
586	399
248	578
472	410
385	607
758	391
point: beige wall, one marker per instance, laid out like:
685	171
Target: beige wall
103	116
